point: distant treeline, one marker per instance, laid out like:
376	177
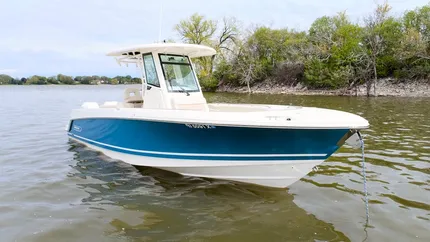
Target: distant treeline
334	53
68	80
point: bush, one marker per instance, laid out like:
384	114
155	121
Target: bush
208	84
290	73
417	70
321	75
226	74
5	79
316	73
421	71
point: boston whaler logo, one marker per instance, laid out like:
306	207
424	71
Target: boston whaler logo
77	128
200	126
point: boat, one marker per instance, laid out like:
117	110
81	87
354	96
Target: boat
167	123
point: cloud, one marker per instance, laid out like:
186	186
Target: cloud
48	63
7	71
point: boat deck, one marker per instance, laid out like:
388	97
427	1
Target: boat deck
211	107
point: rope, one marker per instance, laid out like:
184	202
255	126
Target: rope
366	199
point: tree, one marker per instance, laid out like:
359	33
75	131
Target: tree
199	30
419	19
114	81
226	41
16	81
413	50
126	79
382	32
79	79
52	80
416	37
68	80
334	51
136	80
267	45
86	80
248	65
196	29
264	51
36	80
5	79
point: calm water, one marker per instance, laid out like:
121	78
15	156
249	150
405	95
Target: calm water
52	189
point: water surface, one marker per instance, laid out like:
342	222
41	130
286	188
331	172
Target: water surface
52	189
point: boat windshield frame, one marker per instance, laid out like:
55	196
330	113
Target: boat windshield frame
170	86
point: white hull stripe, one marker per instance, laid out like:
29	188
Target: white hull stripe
196	154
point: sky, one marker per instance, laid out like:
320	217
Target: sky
47	37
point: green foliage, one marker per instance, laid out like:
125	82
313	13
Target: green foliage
5	79
336	50
419	19
260	56
413	52
114	81
37	80
415	71
225	73
196	29
208	84
83	80
391	32
267	47
386	65
68	80
199	30
335	53
348	39
52	80
320	75
289	73
421	71
316	73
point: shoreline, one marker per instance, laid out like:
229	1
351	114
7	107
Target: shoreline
25	85
384	88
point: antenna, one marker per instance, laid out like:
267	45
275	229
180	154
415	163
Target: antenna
160	21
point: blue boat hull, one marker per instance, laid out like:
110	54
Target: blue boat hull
206	142
271	157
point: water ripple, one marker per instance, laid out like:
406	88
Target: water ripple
52	189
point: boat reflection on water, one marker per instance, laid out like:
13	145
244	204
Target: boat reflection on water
148	203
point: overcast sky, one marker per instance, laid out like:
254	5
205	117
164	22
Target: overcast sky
47	37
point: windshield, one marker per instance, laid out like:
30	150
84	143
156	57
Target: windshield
178	74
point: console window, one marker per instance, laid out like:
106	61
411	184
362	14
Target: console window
150	71
178	73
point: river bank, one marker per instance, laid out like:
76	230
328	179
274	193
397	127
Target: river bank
385	87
